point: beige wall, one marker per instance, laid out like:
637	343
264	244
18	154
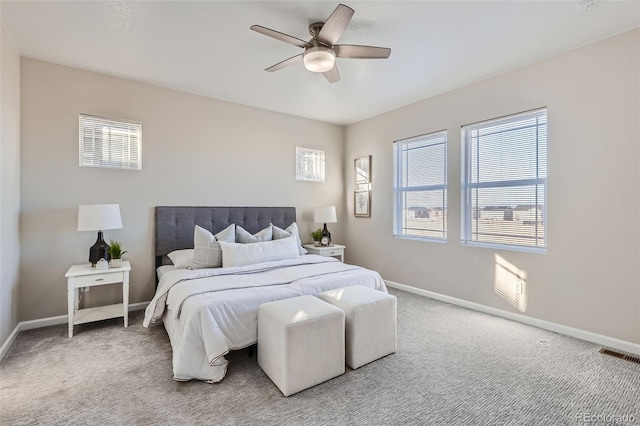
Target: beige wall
590	277
196	151
9	182
201	151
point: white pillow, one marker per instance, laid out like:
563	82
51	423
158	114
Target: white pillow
234	254
181	259
206	249
279	233
243	236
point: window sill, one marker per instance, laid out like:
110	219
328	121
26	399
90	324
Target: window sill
538	250
418	238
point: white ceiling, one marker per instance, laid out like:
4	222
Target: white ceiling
206	47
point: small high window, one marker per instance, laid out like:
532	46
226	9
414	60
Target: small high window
110	142
309	164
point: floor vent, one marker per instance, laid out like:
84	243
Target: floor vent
620	355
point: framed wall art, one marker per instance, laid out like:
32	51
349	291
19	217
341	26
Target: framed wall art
362	170
362	203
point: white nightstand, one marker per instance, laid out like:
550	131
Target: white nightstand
335	250
80	276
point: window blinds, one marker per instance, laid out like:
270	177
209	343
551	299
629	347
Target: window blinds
420	190
504	181
111	143
309	164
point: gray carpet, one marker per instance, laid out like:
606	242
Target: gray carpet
453	366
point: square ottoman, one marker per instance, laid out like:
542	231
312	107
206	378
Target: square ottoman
370	322
300	342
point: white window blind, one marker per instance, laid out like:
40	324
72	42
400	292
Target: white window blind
110	142
309	164
504	181
420	190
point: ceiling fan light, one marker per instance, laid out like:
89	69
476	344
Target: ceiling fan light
319	59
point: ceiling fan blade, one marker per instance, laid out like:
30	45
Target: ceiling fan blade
332	75
287	62
335	25
361	52
280	36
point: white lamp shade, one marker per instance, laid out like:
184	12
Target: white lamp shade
325	215
99	217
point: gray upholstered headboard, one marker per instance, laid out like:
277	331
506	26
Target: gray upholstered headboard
174	225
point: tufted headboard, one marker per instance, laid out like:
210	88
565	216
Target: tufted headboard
174	225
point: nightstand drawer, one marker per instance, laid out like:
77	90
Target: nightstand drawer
335	250
98	279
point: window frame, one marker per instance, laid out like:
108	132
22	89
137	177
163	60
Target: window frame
467	187
112	123
399	189
303	163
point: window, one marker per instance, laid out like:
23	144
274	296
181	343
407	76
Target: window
309	164
420	190
504	181
110	142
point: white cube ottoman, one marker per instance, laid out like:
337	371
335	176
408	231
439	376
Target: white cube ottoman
300	342
370	322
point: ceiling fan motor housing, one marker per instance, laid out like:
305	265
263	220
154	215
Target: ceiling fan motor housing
314	29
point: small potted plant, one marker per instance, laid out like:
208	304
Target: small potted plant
317	236
115	251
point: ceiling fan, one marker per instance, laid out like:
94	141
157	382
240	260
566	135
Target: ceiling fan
320	52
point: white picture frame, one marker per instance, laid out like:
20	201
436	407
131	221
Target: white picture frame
362	203
362	170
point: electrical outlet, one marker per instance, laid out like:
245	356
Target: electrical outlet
518	288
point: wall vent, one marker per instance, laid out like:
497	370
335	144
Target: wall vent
620	355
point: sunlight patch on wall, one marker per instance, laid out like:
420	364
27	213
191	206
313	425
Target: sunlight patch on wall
510	283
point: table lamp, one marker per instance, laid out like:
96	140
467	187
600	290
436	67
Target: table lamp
325	215
99	217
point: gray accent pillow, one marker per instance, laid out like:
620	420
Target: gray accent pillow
243	236
206	249
292	230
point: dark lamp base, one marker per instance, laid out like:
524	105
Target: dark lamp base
326	233
100	250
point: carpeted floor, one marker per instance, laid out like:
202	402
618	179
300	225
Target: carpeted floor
453	366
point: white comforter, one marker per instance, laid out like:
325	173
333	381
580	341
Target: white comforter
208	312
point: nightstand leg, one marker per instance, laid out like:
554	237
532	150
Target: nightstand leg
71	301
125	301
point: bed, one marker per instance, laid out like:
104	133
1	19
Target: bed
209	311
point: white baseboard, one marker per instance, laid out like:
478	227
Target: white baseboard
7	343
42	322
46	322
609	342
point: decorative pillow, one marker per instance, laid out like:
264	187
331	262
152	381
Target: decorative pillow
279	233
206	248
244	237
264	251
181	259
